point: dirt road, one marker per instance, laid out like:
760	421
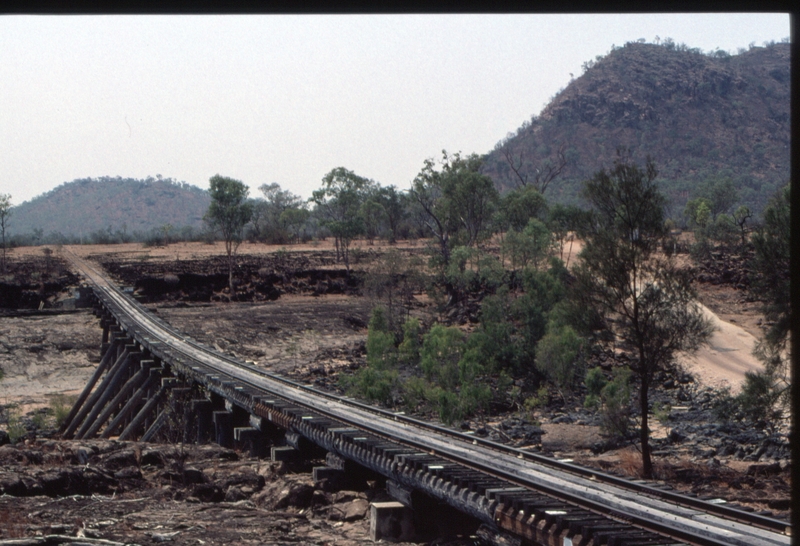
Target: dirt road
727	358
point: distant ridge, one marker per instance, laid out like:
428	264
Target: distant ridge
699	116
88	205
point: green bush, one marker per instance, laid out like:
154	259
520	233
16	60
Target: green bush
559	356
495	337
14	427
408	350
61	405
529	246
616	409
759	400
442	348
377	382
595	380
381	352
539	400
375	385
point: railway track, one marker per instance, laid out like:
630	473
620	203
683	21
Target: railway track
536	497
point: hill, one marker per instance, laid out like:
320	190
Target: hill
699	116
86	206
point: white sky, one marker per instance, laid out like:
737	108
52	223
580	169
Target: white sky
288	98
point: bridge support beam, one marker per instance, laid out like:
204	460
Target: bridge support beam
252	439
203	411
283	454
90	403
133	403
104	362
223	428
132	383
109	388
172	409
146	410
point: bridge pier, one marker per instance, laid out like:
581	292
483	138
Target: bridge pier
109	388
118	352
139	421
283	454
223	428
391	522
71	417
151	375
203	411
133	380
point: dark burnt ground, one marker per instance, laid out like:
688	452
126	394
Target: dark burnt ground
302	337
183	494
257	278
31	281
129	492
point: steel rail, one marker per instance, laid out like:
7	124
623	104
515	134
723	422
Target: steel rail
622	501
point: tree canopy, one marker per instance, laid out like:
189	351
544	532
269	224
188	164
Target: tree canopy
457	201
228	213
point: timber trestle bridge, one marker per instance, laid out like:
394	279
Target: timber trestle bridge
525	497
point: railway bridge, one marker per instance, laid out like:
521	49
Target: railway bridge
148	367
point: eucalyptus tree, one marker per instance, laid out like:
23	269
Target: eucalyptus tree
228	214
530	172
646	301
395	209
457	201
338	202
271	224
771	283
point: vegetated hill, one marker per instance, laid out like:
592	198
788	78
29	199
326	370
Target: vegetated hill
699	116
84	206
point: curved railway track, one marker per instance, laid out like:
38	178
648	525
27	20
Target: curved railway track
516	487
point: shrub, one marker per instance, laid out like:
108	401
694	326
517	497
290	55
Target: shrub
375	385
616	411
441	351
759	400
539	400
381	352
14	427
595	380
378	380
61	405
726	407
408	351
559	356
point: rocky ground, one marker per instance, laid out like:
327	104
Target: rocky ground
315	330
134	493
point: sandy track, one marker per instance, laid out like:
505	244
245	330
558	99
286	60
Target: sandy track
727	357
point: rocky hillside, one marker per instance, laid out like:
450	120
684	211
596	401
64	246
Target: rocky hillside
85	206
699	116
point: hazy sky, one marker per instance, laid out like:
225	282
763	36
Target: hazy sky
288	98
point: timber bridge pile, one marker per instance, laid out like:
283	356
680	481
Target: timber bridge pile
431	471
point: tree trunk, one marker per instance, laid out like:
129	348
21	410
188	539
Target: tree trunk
644	433
230	274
